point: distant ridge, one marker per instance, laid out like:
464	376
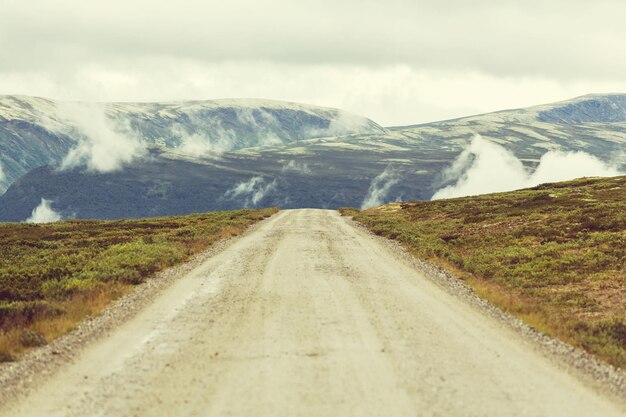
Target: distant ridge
37	131
310	167
589	108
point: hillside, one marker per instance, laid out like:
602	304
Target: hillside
52	276
554	255
169	183
401	163
35	131
593	123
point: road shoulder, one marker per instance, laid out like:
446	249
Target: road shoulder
603	378
19	378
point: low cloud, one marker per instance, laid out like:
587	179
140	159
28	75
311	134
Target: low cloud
263	123
295	166
2	175
344	123
252	191
485	167
101	145
206	136
380	187
44	213
199	144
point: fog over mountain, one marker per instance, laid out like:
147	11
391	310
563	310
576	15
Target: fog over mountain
106	136
398	61
174	158
486	167
43	213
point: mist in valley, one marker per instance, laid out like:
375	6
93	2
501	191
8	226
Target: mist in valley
486	167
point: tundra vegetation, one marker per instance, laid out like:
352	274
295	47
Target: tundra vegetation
54	275
553	255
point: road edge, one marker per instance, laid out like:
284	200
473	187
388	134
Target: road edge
600	376
19	378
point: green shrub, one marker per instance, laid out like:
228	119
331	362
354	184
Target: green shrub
555	254
43	266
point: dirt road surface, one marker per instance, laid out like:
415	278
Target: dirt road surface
310	316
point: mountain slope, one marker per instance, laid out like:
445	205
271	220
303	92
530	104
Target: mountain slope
594	123
35	132
400	163
168	183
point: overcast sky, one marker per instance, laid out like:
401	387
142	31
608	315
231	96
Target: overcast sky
396	61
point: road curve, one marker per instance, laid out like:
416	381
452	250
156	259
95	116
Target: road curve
309	316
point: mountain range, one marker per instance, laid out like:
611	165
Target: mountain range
35	131
117	160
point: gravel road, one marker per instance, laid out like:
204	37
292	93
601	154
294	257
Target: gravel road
311	316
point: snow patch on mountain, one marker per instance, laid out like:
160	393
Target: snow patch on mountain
104	137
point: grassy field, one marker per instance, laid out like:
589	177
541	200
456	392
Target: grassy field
54	275
554	255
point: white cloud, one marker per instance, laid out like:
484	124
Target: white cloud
390	94
43	213
213	137
485	167
562	166
2	175
199	144
296	166
388	66
62	32
252	191
379	188
101	147
344	124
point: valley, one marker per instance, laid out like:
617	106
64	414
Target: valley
298	170
274	208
